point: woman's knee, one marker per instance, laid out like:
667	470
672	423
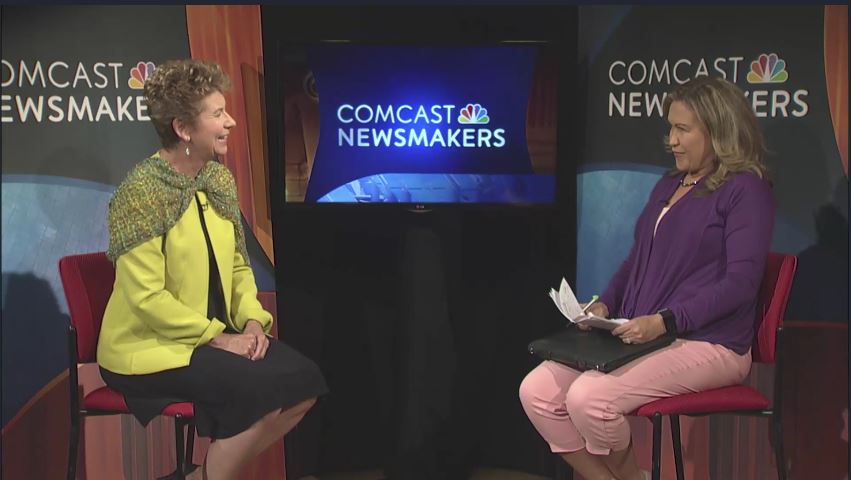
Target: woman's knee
307	404
533	386
586	394
301	407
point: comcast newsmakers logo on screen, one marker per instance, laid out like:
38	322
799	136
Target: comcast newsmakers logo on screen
473	113
36	91
406	126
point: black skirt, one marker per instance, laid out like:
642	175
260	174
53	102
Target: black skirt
230	392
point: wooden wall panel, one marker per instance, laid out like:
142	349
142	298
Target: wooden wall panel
230	35
836	73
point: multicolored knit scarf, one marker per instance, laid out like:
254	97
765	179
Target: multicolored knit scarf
154	196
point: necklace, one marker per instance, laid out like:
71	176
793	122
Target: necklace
689	184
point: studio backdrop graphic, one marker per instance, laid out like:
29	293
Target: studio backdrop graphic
73	124
641	53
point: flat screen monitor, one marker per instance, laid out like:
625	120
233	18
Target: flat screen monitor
419	125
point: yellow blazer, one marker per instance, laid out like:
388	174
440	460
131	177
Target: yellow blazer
157	313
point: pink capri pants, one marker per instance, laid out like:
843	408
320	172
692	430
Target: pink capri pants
573	410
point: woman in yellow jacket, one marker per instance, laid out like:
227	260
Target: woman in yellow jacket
183	322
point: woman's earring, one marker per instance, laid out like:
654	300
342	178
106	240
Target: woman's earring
187	146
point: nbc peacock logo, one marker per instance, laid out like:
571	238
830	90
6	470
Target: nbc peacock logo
768	68
139	74
474	113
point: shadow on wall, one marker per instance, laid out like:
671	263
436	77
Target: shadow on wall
812	192
264	271
802	174
820	291
33	339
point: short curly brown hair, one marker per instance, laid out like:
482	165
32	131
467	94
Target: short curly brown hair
175	91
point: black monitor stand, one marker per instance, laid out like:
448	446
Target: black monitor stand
419	321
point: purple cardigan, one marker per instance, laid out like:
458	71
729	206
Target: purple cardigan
705	263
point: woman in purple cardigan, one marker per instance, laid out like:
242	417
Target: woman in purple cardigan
694	271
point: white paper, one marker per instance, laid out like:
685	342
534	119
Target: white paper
566	302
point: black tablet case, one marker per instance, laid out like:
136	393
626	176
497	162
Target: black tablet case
594	349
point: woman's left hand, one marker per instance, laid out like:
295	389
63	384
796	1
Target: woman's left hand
641	329
261	344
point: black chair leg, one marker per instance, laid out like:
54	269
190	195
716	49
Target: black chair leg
657	446
188	465
779	457
678	446
179	446
73	444
179	443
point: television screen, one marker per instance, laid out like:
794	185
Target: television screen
419	124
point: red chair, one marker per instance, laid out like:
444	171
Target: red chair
87	280
737	399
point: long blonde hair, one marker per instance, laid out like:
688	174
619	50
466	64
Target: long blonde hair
731	124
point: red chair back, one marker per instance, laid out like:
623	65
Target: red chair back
771	305
87	280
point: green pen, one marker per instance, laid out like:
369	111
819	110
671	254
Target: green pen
594	298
